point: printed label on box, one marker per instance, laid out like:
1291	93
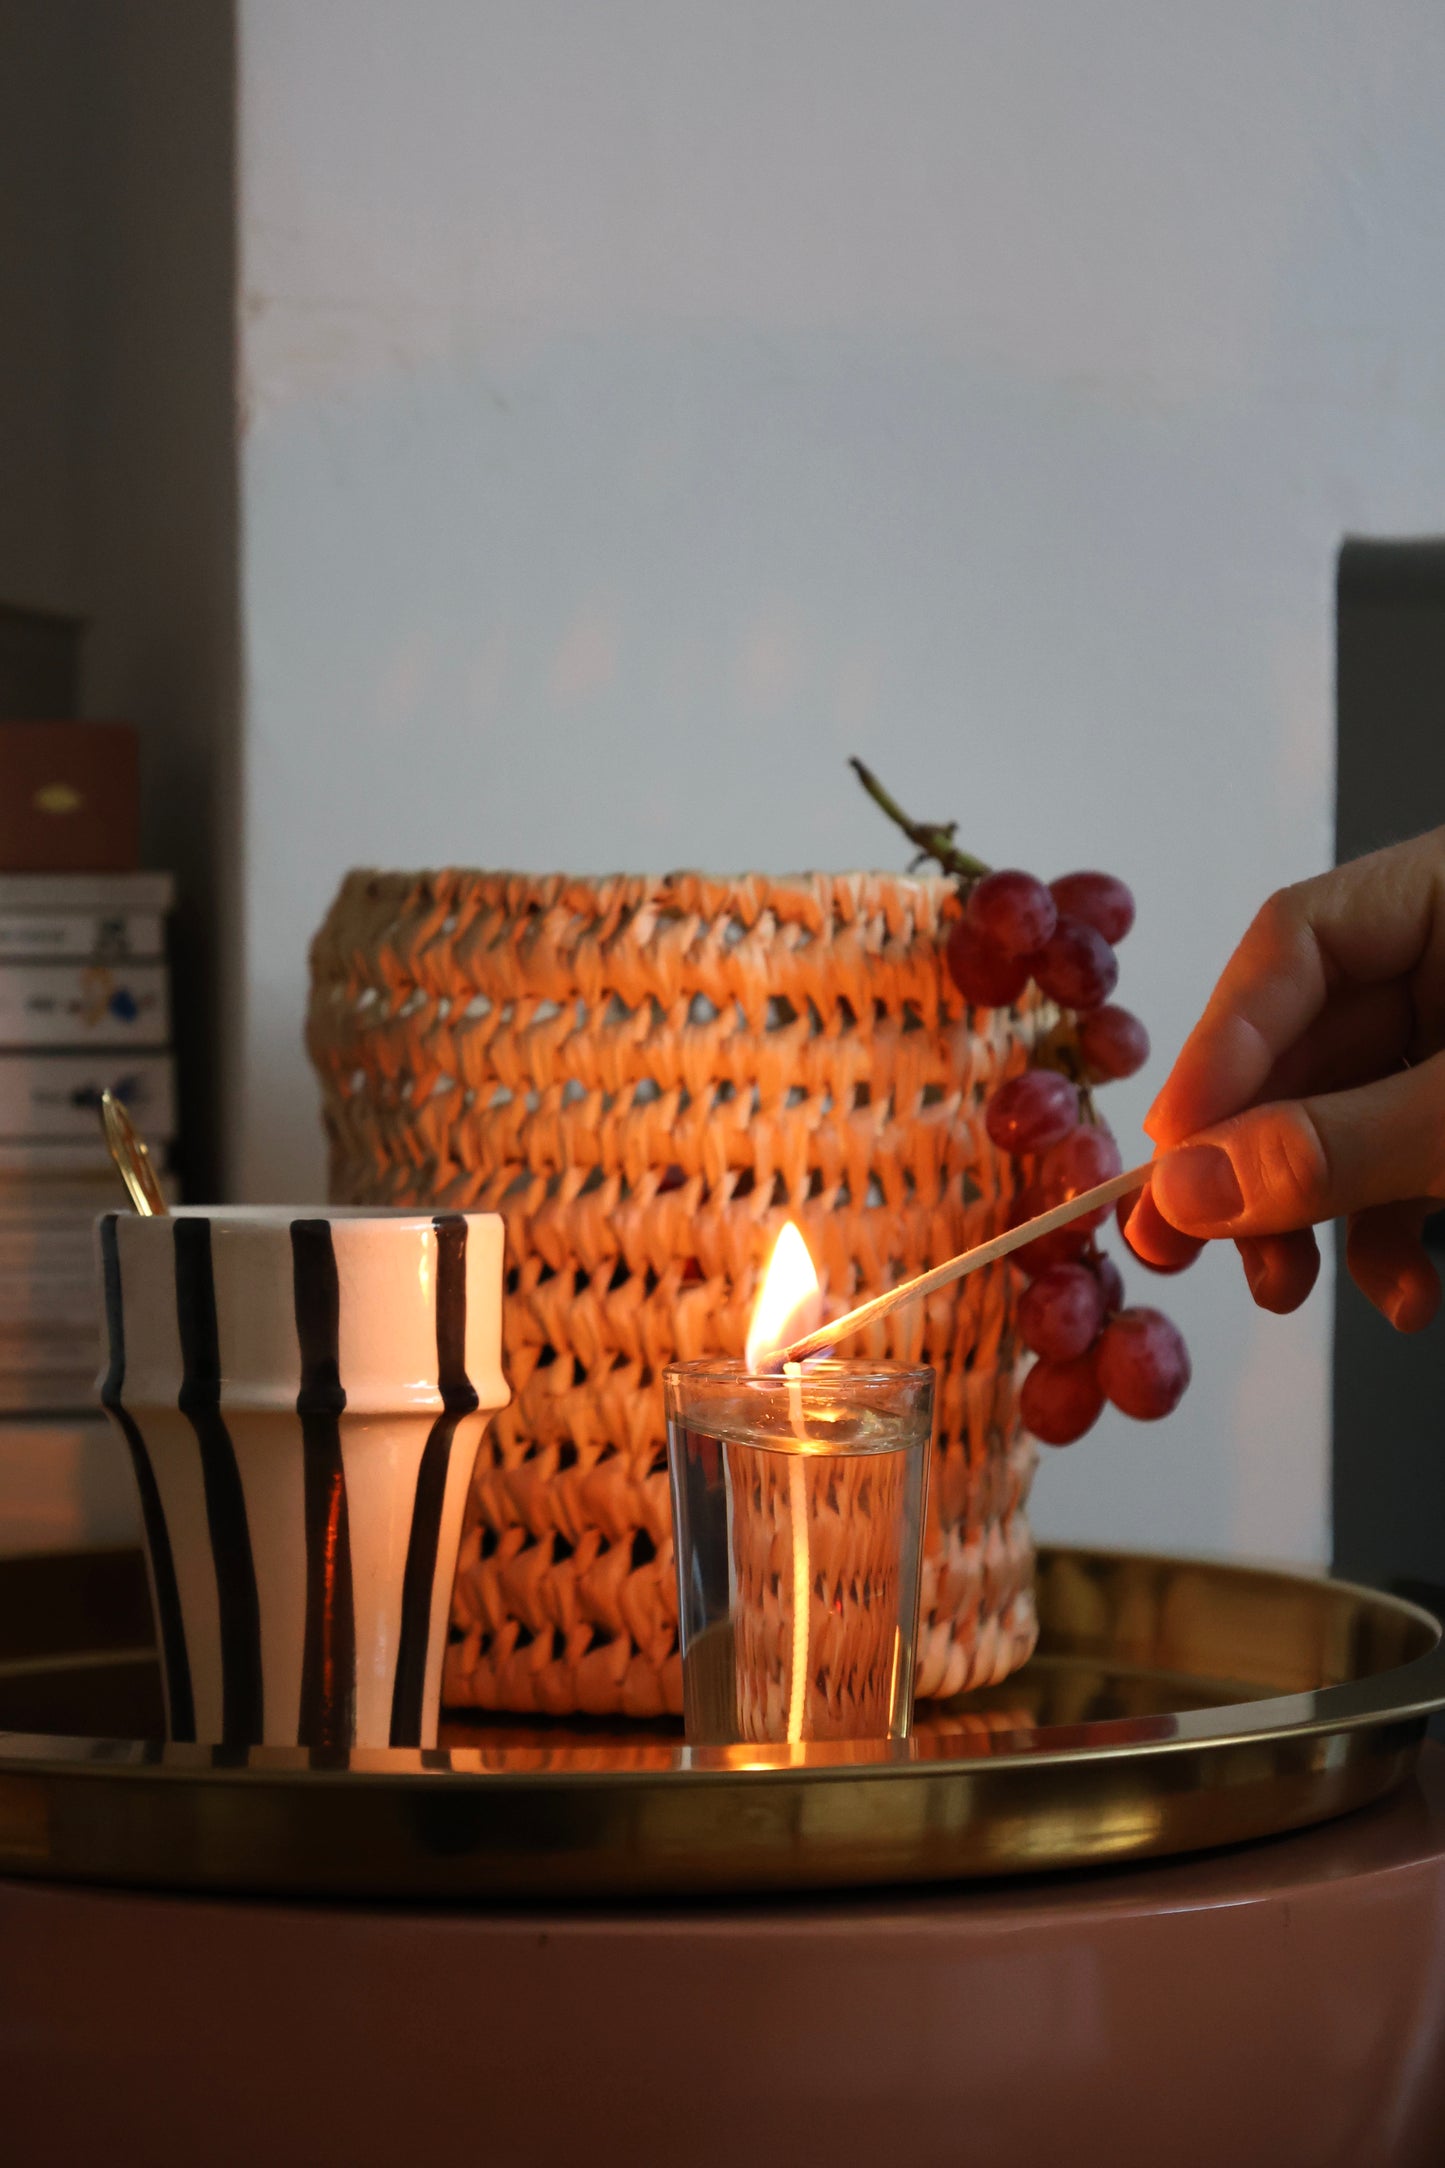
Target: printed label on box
58	1095
78	1004
95	936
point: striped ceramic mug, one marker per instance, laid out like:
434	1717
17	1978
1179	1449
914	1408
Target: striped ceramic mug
302	1393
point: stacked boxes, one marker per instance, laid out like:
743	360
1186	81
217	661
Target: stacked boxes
84	1004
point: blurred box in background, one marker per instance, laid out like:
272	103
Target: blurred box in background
64	1486
84	1007
69	797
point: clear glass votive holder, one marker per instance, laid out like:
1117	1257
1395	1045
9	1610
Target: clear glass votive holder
797	1513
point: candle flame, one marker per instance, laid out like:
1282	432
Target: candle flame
790	1301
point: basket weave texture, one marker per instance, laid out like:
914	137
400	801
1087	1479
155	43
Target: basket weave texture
646	1078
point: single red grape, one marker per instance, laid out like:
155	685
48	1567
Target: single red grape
1081	1162
1013	911
1076	966
981	972
1060	1401
1143	1364
1032	1111
1057	1248
1101	900
1110	1279
1152	1238
1112	1042
1062	1313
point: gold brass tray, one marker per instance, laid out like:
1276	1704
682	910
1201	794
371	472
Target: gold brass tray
1172	1705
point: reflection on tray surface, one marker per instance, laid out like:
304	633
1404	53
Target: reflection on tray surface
1085	1700
1051	1693
1132	1651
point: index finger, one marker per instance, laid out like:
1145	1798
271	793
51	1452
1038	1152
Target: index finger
1364	923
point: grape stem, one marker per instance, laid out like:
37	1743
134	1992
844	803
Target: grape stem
929	838
1063	1055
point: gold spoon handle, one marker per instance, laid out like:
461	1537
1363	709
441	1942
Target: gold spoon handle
132	1160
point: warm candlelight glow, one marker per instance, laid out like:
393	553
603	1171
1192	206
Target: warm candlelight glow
789	1302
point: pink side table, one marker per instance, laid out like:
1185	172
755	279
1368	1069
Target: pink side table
1280	2006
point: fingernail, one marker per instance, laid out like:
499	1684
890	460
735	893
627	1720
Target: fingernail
1196	1187
1253	1262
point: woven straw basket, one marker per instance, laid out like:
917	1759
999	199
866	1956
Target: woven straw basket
647	1077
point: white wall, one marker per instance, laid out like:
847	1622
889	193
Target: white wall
648	405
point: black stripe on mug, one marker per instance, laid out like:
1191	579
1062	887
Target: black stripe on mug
458	1398
170	1624
328	1662
230	1537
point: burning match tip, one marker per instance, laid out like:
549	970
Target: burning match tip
780	1360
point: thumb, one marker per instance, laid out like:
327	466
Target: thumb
1296	1161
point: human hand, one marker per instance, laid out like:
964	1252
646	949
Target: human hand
1314	1086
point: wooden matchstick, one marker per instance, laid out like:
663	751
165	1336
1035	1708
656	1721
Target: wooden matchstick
956	1268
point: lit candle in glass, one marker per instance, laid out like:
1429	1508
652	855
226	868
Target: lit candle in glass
797	1503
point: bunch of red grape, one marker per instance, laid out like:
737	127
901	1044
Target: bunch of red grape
1090	1348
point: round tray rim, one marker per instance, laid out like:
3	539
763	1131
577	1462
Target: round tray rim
439	1824
1402	1691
